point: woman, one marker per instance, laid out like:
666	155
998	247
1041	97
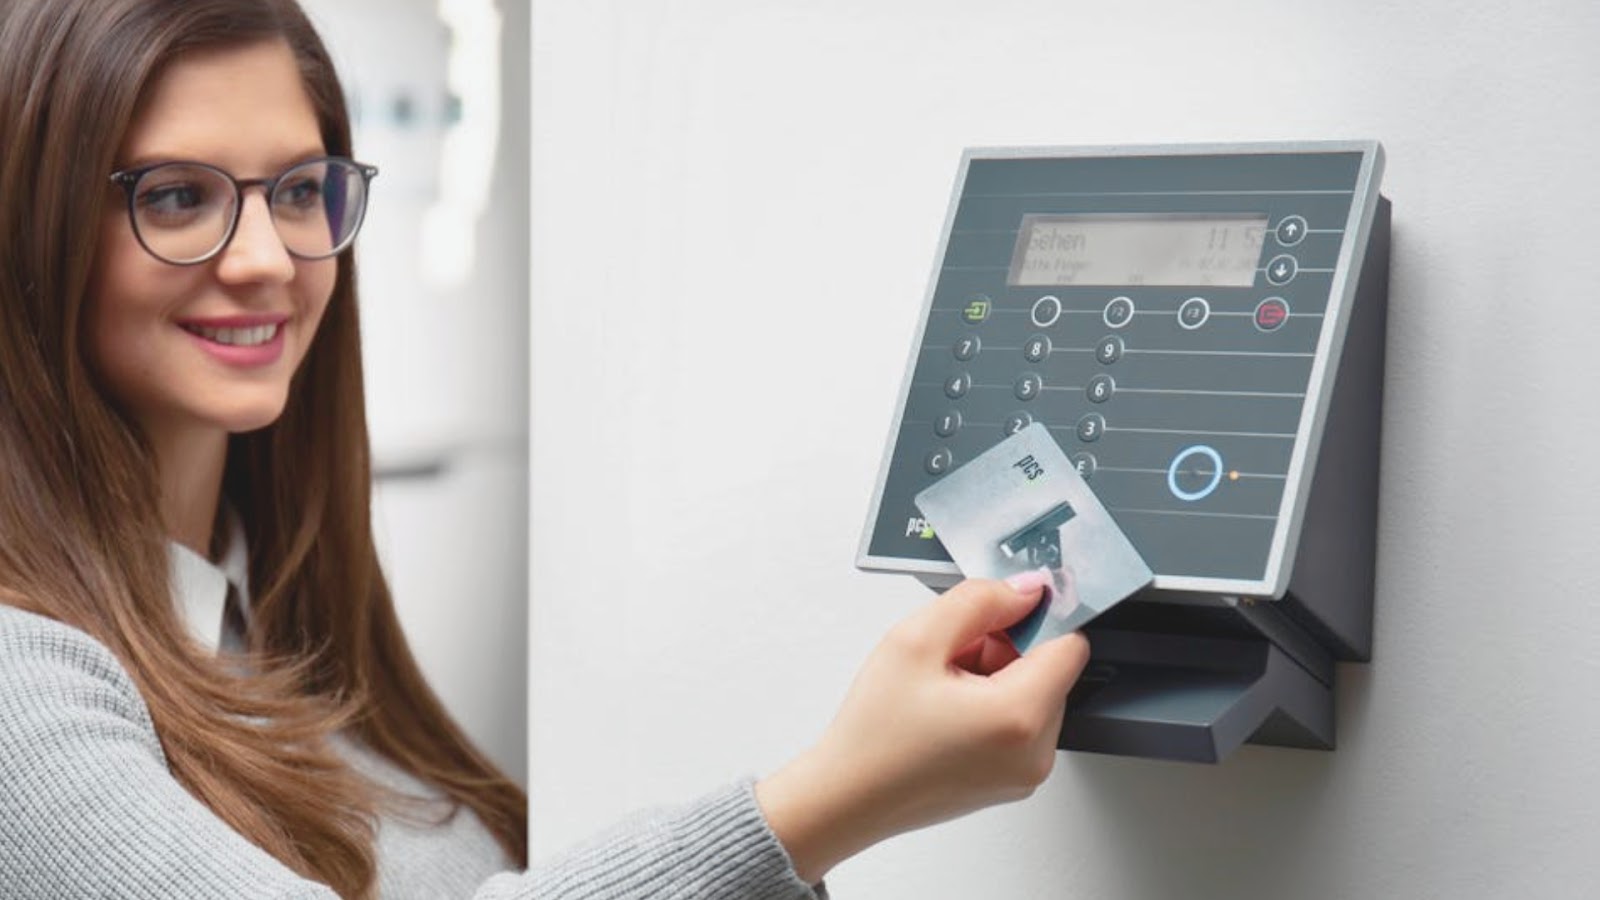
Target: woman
204	690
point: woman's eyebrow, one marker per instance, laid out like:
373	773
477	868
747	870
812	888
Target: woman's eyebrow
279	163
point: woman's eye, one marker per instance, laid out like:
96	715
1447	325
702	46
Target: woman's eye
302	193
172	199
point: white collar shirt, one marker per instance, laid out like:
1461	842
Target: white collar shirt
200	586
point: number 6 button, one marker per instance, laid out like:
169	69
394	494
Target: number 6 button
1101	387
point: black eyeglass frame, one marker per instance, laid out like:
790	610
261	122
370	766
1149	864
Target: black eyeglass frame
128	180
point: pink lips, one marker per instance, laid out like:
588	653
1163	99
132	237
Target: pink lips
240	341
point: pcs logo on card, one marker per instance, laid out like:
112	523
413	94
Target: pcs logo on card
916	525
1029	466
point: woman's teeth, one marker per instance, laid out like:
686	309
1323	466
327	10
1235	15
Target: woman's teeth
238	337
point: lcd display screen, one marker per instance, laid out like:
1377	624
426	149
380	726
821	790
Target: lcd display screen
1157	249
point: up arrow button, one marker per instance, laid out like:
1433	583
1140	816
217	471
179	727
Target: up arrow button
1291	231
1282	269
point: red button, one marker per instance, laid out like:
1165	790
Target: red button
1271	313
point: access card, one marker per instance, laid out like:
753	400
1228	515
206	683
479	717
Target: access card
1021	505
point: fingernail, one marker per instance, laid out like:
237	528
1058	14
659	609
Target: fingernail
1029	581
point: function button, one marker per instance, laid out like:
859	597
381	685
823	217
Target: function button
967	347
1016	422
977	309
1100	389
1119	312
1271	313
1291	230
1046	310
1194	473
1109	350
1193	313
1090	427
1029	386
956	386
938	462
947	424
1037	348
1282	269
1085	464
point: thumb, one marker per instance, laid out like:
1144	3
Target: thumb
977	607
1050	669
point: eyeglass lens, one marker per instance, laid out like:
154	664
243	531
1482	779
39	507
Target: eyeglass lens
184	213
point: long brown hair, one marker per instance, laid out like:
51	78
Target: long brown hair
81	538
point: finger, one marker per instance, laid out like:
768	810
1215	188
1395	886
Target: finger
986	655
998	652
1049	670
977	607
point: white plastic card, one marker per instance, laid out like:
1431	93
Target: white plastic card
1021	505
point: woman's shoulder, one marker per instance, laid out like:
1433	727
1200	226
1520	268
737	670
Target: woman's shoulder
50	670
33	638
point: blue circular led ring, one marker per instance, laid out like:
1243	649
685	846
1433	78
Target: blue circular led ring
1216	474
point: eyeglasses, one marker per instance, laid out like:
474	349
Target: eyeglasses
185	213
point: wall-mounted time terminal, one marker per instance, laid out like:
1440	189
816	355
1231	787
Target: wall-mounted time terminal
1202	329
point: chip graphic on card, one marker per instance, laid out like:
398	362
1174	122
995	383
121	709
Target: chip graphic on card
1021	505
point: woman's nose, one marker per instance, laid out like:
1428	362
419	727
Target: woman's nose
256	253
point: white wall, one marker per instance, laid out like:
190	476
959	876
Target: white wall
735	209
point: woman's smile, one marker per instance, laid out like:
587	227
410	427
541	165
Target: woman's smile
244	341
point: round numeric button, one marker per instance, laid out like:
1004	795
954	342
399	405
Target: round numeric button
1016	422
1291	230
1028	386
966	347
1085	463
1108	350
1282	269
1046	310
1090	427
1036	348
1193	313
1118	313
956	386
938	462
947	424
1100	388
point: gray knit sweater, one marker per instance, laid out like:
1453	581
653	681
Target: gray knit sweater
88	809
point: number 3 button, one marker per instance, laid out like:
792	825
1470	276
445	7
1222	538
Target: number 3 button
1090	427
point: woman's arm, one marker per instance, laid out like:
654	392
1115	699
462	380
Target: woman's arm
943	719
89	809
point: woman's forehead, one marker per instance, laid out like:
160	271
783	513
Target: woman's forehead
244	108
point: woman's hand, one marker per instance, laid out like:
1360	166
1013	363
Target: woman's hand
943	719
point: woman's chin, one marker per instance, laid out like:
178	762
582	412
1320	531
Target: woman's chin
251	417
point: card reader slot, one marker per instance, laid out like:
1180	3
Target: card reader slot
1192	698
